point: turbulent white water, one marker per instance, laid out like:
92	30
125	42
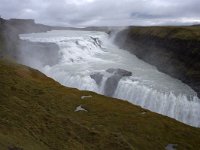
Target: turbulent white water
86	53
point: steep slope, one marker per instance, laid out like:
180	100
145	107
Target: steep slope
38	113
173	50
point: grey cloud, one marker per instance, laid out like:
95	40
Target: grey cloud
103	12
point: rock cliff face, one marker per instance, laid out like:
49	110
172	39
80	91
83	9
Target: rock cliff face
173	50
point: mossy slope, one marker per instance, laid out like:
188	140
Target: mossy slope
37	113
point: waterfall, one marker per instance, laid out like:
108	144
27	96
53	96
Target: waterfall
89	61
179	107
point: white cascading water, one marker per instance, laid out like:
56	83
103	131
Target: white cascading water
86	53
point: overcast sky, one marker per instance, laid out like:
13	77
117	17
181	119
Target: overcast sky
103	12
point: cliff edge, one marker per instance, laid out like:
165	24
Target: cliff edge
173	50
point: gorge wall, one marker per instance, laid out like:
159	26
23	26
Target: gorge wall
11	47
173	50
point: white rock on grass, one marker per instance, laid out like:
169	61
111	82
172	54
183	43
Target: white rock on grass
171	147
84	97
80	108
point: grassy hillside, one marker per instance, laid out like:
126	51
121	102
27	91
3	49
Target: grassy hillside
37	113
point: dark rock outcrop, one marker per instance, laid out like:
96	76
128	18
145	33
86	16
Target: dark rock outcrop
97	77
120	72
113	80
96	42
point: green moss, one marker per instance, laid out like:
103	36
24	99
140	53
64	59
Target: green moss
38	113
